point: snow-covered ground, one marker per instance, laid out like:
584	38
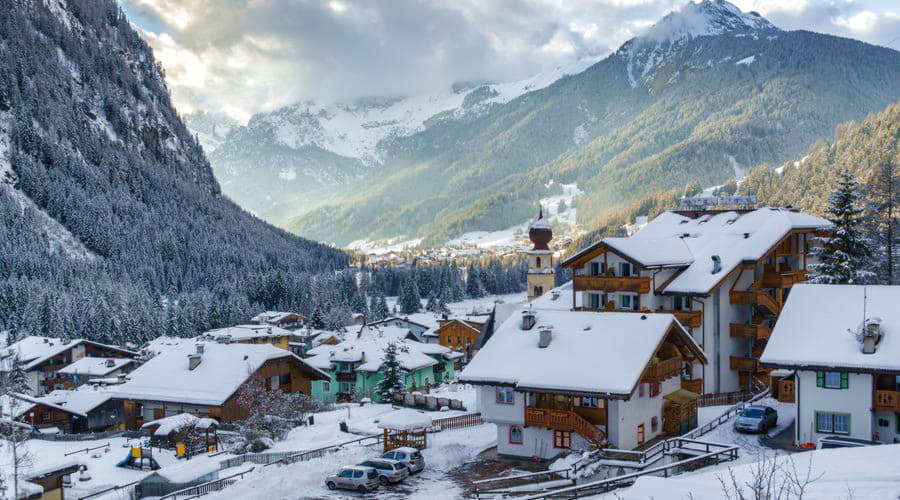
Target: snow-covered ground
749	443
100	463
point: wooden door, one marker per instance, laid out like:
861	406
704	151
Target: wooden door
640	434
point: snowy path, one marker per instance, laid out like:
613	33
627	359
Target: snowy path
749	443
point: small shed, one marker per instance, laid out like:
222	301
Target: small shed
680	412
186	433
405	427
179	476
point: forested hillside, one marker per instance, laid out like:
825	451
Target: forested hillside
667	108
112	225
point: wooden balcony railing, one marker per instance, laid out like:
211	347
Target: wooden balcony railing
637	284
744	364
783	279
887	401
694	385
563	420
662	370
758	298
689	319
346	376
756	332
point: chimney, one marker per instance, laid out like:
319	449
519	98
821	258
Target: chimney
121	378
546	336
871	335
269	330
528	320
200	348
717	264
194	361
110	363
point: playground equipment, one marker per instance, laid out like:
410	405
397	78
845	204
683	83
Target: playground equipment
139	458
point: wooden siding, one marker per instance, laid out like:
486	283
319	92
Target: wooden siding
609	283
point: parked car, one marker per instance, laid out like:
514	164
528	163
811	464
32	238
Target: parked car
756	418
389	471
843	442
354	477
410	457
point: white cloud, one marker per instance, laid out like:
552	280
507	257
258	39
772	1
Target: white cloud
244	56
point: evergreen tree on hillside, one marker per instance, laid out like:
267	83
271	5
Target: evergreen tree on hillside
378	309
317	320
883	207
392	382
844	252
474	286
410	301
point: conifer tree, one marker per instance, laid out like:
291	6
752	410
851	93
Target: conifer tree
317	320
392	382
378	309
883	207
410	302
844	252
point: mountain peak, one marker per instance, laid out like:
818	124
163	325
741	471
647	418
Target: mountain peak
709	17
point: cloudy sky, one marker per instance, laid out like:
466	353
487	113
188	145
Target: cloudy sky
246	56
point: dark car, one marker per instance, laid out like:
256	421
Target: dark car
389	471
756	418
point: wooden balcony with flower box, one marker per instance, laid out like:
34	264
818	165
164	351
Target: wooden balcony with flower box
886	400
612	283
661	370
755	332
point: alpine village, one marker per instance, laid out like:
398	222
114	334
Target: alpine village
667	268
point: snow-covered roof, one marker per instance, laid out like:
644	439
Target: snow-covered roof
14	407
222	370
34	350
177	422
242	332
79	401
95	367
677	240
273	316
404	419
814	328
590	352
368	346
397	318
189	470
559	299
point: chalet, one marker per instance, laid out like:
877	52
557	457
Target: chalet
724	275
355	365
843	344
37	413
554	380
286	320
47	480
204	380
418	329
91	409
461	334
252	334
43	357
90	368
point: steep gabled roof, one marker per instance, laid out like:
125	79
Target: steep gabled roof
34	350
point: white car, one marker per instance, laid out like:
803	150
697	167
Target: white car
410	457
354	477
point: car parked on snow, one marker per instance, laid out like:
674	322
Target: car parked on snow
354	477
389	471
843	442
410	457
756	418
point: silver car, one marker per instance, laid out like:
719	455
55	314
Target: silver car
756	418
389	471
410	457
354	477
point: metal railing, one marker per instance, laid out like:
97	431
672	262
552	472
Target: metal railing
129	488
208	487
734	410
86	450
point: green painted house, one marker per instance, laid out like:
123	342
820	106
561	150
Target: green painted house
355	364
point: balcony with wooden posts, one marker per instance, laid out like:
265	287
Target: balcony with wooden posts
694	385
742	364
612	283
756	298
755	332
886	400
563	420
780	276
688	319
661	370
346	376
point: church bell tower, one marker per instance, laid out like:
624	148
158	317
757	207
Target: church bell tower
541	272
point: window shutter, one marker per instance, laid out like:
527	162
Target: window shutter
820	379
845	380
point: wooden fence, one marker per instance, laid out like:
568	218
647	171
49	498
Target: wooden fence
724	398
206	488
126	490
457	422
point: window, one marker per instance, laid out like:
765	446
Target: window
273	383
590	402
284	379
832	380
626	301
655	389
682	303
597	268
326	386
833	423
626	268
506	395
346	388
515	435
562	439
537	261
594	300
654	424
640	434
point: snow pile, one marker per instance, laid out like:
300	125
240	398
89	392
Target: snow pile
405	419
177	422
189	470
95	367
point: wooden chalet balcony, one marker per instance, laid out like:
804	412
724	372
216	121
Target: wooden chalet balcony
346	376
781	279
609	283
757	298
563	420
662	370
694	385
756	332
744	364
689	319
886	401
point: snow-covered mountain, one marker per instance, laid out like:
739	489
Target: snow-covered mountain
210	128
